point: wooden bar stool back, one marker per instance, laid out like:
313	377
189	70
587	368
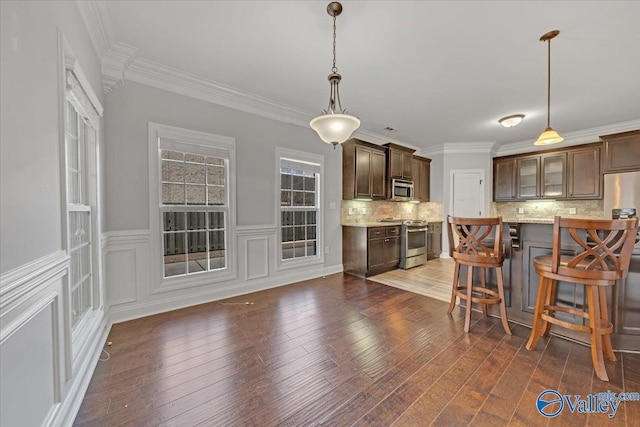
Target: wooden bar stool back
477	243
603	256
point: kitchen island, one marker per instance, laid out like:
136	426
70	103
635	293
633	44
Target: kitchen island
525	239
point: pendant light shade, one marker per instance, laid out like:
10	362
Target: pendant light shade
335	125
335	128
549	136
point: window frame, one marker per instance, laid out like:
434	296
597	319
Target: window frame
76	92
195	142
300	157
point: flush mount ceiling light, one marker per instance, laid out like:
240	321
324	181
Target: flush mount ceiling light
334	125
549	136
511	121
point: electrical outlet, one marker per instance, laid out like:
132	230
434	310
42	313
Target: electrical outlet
326	249
572	211
351	211
520	210
363	210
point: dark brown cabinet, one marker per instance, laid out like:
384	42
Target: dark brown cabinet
622	152
421	170
363	170
541	176
370	250
585	177
527	177
504	179
573	173
399	161
434	240
383	248
553	170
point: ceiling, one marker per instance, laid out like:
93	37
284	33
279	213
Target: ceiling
437	71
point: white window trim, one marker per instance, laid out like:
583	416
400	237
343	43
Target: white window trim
160	283
307	261
87	102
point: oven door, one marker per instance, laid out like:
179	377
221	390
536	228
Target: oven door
416	241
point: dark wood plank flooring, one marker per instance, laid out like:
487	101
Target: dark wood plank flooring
339	351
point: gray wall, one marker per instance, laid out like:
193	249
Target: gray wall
132	106
30	112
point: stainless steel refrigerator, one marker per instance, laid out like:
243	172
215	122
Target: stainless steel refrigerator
621	190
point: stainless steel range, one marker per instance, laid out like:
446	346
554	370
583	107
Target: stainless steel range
413	241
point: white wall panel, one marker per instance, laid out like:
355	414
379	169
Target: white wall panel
256	257
29	355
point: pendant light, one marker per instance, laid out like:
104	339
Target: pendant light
549	136
335	125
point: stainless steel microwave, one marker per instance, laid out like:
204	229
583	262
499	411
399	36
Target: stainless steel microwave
401	190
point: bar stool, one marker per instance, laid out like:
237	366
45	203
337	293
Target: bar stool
603	254
473	250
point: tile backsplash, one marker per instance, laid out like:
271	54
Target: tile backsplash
542	209
357	211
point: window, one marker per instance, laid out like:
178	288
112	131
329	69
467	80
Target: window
191	205
193	210
81	124
300	216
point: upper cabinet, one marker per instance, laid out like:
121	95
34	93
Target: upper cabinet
585	177
504	179
363	170
572	173
541	176
622	152
421	170
399	161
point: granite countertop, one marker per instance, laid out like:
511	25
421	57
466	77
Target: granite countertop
373	224
529	220
384	224
543	220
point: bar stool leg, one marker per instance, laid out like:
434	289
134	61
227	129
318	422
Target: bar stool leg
604	315
595	323
503	306
467	316
550	300
483	282
537	320
456	279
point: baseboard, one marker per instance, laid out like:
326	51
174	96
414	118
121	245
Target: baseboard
135	311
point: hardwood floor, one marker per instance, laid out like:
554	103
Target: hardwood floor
339	351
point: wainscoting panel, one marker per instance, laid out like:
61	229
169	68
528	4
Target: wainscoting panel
29	362
127	270
121	273
130	255
32	341
256	257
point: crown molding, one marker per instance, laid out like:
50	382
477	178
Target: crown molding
459	148
115	57
98	23
114	64
177	81
570	138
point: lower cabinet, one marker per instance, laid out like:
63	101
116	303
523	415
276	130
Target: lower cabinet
434	240
370	250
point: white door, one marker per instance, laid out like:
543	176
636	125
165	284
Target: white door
467	193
